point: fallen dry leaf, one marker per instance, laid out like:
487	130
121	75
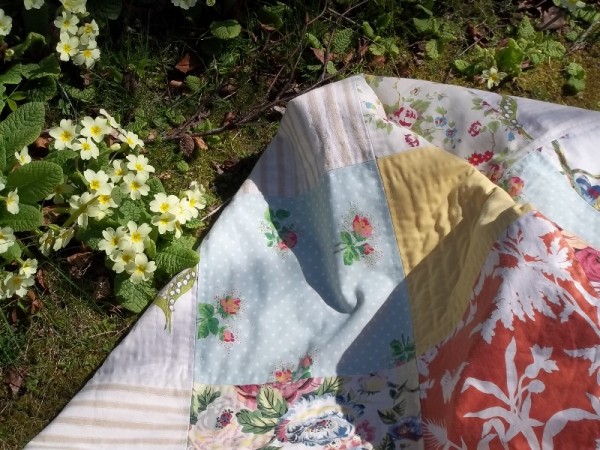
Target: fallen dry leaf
36	303
228	118
41	278
14	379
319	54
187	63
200	144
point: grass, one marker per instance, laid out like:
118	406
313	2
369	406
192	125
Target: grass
52	351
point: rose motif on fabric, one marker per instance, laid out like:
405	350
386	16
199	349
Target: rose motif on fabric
589	258
514	186
405	116
355	244
279	231
314	421
290	391
475	128
411	140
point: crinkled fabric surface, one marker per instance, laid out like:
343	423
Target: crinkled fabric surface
409	266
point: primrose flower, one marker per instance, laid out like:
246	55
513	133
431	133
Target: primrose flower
67	23
88	55
96	180
23	156
195	195
117	171
15	283
137	236
94	128
5	23
135	185
185	212
131	139
28	267
74	6
111	239
111	120
64	237
164	204
87	148
7	239
164	222
105	198
85	201
493	77
139	164
33	4
67	47
46	242
140	268
184	4
64	134
12	201
121	258
88	32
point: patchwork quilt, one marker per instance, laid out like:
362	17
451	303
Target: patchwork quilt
410	265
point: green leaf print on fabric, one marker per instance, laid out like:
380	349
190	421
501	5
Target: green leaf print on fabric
172	292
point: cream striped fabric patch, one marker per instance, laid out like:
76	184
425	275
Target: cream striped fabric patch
140	397
320	131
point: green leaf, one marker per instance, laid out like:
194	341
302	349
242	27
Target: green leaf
134	296
526	30
106	9
341	40
330	385
575	70
31	39
35	180
206	310
270	402
383	21
86	95
13	75
575	85
156	186
368	30
60	157
193	224
194	83
313	41
552	49
225	29
425	26
174	258
254	422
47	67
13	252
42	90
510	58
132	210
462	66
20	128
330	68
28	218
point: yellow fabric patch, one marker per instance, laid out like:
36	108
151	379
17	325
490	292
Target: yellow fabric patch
446	216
